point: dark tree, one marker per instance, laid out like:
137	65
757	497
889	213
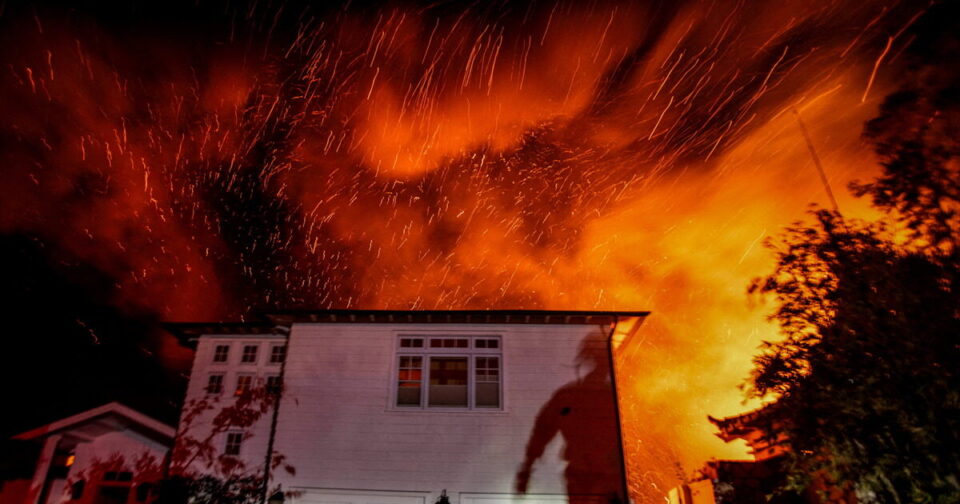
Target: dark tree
867	371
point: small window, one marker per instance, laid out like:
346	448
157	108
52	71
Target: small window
118	476
486	343
143	491
76	489
215	384
244	384
278	353
274	384
411	342
449	343
234	440
249	354
221	353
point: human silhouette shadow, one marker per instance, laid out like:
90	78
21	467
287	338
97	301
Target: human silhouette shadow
583	413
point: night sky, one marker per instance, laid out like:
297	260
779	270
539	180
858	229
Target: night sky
204	161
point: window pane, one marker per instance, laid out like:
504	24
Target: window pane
488	395
408	395
448	381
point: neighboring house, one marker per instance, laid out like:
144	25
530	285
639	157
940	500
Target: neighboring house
416	407
753	481
107	455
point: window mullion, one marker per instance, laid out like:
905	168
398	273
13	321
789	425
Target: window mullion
425	384
471	379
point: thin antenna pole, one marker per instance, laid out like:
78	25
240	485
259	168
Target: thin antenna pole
816	160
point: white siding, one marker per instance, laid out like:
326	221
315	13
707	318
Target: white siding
254	448
338	428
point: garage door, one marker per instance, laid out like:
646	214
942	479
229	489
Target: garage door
318	496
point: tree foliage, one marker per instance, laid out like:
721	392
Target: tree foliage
867	370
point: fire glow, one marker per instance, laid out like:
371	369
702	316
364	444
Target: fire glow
562	156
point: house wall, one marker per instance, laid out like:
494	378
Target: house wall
338	427
254	447
122	450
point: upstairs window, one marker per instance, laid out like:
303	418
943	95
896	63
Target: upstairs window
221	353
232	446
274	384
278	353
244	384
215	384
454	372
249	354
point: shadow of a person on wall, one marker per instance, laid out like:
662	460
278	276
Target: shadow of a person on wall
584	414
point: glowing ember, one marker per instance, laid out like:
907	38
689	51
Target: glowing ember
555	156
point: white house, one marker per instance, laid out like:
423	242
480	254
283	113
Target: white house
107	455
411	407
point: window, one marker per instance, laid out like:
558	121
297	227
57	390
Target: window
215	384
244	384
76	489
221	353
411	342
487	381
118	476
486	343
232	446
274	385
278	353
410	381
249	354
448	372
449	342
143	491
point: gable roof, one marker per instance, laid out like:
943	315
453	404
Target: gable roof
278	322
109	417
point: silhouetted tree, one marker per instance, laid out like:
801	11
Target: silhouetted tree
867	370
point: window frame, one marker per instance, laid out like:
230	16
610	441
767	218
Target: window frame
227	443
216	353
243	354
273	360
276	388
250	386
220	385
471	352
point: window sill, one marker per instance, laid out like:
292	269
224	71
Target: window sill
464	411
